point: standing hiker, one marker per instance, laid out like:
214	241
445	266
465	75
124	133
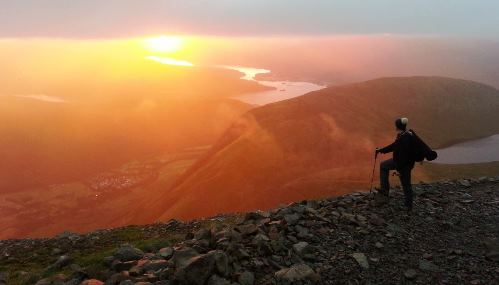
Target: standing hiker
402	161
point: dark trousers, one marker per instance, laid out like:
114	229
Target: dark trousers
405	180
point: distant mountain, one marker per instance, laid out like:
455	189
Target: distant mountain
322	143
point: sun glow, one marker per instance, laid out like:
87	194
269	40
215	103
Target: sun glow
166	44
170	61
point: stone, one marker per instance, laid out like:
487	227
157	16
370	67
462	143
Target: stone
410	274
108	261
378	245
56	251
376	220
292	219
166	252
117	278
162	282
465	183
92	282
196	271
361	259
492	252
297	272
68	235
428	266
136	270
128	253
259	238
256	216
45	281
394	228
349	218
155	265
303	249
62	261
202	234
217	280
181	257
221	262
427	256
302	231
123	266
246	278
74	281
248	229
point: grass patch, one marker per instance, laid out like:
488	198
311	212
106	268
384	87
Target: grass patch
152	245
27	268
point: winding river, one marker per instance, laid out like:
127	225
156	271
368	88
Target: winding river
283	89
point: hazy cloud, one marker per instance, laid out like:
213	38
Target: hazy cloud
125	18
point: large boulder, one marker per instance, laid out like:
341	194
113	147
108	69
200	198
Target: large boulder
297	272
196	272
202	234
128	253
166	252
182	257
198	269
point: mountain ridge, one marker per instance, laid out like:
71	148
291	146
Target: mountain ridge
328	241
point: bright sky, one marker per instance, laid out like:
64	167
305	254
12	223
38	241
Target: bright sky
130	18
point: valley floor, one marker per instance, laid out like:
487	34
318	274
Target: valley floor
451	237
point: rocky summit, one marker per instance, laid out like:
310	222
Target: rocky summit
450	237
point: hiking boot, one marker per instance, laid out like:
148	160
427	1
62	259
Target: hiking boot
381	199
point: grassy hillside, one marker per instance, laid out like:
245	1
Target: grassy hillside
322	143
50	143
117	197
72	121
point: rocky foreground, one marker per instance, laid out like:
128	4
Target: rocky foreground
451	237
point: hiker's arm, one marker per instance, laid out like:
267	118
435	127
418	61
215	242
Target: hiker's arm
388	148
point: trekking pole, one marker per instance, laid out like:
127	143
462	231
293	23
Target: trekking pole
372	175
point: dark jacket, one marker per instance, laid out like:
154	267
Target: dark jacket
401	149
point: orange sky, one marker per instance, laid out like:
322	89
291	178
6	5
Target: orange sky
32	66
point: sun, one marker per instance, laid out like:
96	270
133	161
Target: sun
166	44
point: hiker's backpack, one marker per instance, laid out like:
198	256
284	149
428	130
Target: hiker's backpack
420	150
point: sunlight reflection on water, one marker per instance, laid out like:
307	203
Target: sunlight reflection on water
283	89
